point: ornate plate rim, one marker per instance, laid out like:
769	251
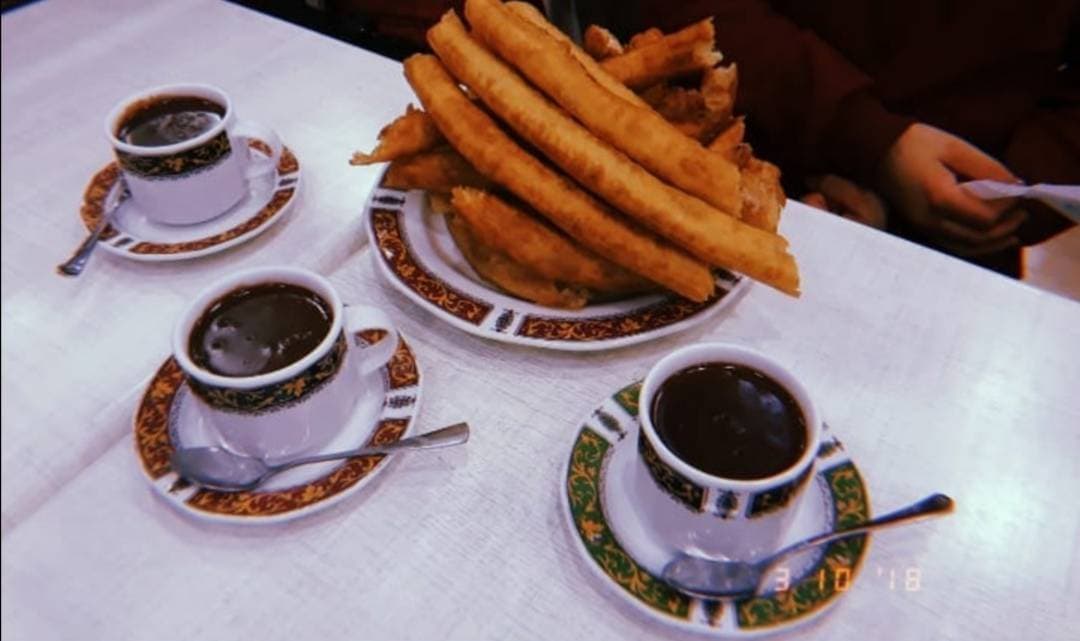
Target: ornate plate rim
279	202
709	614
489	314
153	445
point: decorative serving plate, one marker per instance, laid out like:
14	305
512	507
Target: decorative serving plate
416	255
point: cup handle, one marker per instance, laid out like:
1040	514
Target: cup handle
372	357
257	164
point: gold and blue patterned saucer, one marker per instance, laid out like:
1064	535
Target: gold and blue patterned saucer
621	555
166	417
134	236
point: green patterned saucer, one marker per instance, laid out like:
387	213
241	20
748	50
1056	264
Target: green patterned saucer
617	554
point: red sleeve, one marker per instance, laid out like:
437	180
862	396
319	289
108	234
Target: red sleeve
797	91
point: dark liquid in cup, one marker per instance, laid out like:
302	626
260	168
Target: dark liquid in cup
259	329
167	120
730	421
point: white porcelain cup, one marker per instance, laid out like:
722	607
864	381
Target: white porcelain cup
697	513
302	406
197	179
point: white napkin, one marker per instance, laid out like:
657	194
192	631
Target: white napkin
1064	198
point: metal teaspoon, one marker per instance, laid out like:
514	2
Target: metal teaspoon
219	469
75	265
711	579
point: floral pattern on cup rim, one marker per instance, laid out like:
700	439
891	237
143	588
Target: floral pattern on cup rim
276	396
178	165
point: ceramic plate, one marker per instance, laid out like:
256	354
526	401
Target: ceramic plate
416	254
132	235
629	564
167	417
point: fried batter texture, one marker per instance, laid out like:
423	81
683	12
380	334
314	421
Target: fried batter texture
480	140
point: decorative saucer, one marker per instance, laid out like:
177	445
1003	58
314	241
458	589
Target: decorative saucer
167	416
623	558
132	235
417	256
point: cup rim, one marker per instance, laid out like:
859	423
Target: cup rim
256	275
700	353
206	91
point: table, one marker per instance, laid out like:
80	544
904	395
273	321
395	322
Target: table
64	65
937	376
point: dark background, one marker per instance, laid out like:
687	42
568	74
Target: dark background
393	28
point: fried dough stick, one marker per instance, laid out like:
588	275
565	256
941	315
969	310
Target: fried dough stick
701	31
688	110
719	86
515	278
409	133
476	136
658	62
600	43
415	132
438	170
763	198
539	247
670	56
532	15
638	131
691	223
729	139
638	40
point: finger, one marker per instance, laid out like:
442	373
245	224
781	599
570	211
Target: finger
965	234
872	217
969	161
815	199
854	202
842	191
964	250
946	196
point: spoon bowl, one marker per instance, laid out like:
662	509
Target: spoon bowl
219	469
712	579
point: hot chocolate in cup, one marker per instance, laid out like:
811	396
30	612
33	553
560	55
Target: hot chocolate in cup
183	153
727	445
272	361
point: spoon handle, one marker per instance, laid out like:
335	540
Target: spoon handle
75	265
930	506
444	437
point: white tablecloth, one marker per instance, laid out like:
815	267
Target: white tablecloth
73	346
938	376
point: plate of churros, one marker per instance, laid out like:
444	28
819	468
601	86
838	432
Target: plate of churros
572	198
420	251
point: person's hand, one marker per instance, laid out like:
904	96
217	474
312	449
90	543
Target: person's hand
920	175
846	199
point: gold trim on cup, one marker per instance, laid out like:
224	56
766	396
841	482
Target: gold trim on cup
277	396
689	494
178	165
